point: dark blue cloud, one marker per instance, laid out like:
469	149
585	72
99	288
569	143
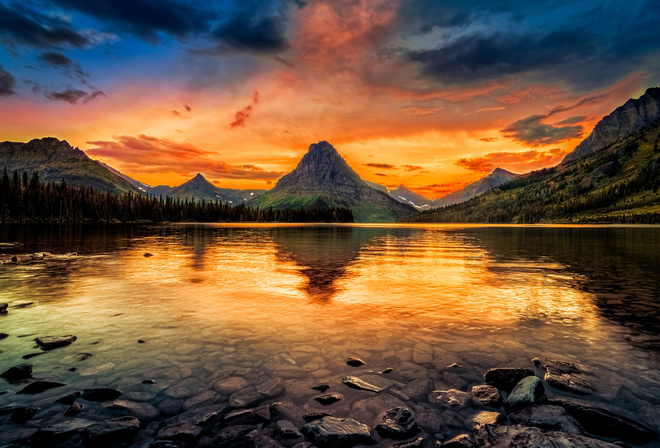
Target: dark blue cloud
245	32
7	82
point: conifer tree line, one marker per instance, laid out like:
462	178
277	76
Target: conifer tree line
25	198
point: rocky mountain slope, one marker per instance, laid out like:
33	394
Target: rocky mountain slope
498	177
324	179
623	121
406	196
198	188
56	160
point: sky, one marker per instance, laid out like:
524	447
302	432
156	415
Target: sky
432	94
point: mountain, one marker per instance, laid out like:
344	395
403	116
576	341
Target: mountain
199	188
375	186
617	184
471	190
324	179
56	160
623	121
160	190
407	196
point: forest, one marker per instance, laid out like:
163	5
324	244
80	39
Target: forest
25	199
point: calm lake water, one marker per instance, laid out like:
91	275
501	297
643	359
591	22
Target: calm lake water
292	302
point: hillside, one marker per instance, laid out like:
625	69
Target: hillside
616	184
498	177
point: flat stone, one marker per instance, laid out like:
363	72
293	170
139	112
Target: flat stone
23	414
285	410
605	423
245	398
354	362
530	437
230	385
430	420
460	441
139	409
248	416
69	399
100	394
486	418
331	432
487	395
36	387
205	397
232	435
451	397
271	388
422	353
288	430
356	383
52	342
328	398
17	373
74	409
548	418
258	438
368	409
190	425
397	423
566	376
418	389
58	433
111	432
528	391
506	378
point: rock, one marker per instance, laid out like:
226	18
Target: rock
101	394
58	433
288	430
148	254
245	398
148	381
418	389
523	436
80	357
191	424
205	397
141	410
487	395
311	416
271	388
605	423
284	410
328	398
52	342
17	373
566	376
417	443
69	399
430	420
354	362
422	353
331	432
486	418
3	336
230	385
356	383
506	378
111	432
257	438
31	355
451	397
528	391
74	409
36	387
369	409
3	307
397	423
548	418
321	387
249	416
388	370
232	435
23	414
97	370
460	441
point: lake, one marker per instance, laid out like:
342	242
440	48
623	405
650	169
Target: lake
222	308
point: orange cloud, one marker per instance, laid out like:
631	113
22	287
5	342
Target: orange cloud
242	115
520	162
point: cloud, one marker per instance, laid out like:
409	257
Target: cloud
22	26
382	175
147	154
437	190
530	130
250	33
187	108
422	110
65	65
244	114
384	166
7	82
412	167
73	96
519	162
573	120
178	114
489	139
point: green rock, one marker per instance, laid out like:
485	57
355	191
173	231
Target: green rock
528	391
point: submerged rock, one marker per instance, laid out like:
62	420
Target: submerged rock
397	423
17	373
506	378
3	336
58	433
74	409
549	418
354	362
3	307
141	410
110	432
321	387
101	394
606	423
39	386
528	391
329	398
487	395
331	432
356	383
52	342
23	414
523	436
566	376
69	399
451	397
249	416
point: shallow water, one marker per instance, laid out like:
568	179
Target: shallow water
293	302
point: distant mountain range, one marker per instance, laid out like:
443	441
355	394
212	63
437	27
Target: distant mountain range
324	179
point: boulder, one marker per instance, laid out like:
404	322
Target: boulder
397	423
331	432
329	398
605	423
528	391
548	418
110	432
52	342
17	373
36	387
529	437
101	394
506	378
354	362
566	376
487	395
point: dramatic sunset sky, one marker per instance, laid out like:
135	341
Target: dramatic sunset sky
429	93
